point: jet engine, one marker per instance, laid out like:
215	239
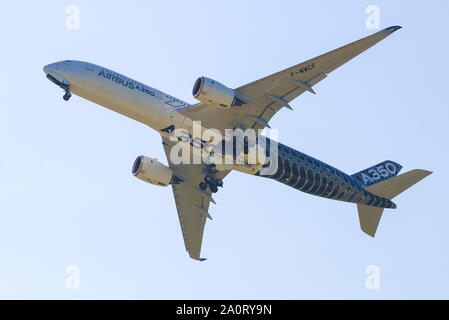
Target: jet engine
152	171
214	93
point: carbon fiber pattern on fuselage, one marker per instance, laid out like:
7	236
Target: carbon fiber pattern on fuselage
312	176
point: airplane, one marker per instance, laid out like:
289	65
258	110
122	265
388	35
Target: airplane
220	108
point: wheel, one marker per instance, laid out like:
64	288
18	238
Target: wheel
219	183
67	96
203	186
213	188
208	179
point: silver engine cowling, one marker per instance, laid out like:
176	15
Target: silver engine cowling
152	171
213	93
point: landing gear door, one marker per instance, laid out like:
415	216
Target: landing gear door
56	78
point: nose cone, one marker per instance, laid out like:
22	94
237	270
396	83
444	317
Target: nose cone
50	67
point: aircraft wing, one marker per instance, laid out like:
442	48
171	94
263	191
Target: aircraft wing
270	94
192	203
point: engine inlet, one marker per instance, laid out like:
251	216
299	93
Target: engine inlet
137	165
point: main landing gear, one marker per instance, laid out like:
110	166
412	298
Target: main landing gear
212	183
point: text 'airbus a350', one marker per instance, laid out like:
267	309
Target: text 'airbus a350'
205	141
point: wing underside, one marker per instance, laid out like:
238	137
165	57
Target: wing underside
276	91
192	203
191	218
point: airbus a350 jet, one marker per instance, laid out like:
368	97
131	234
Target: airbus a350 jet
250	106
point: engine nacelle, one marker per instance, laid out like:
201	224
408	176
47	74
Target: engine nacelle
214	93
152	171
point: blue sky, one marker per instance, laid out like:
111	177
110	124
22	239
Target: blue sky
68	196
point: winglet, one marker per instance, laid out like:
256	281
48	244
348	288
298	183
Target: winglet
203	259
392	29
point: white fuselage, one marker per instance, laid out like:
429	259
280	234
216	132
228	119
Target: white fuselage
119	93
132	99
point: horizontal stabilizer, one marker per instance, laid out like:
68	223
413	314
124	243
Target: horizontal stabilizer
392	187
369	218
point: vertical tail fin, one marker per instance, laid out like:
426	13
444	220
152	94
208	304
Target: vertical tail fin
378	173
370	216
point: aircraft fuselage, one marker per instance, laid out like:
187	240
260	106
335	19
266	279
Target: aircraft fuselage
159	111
